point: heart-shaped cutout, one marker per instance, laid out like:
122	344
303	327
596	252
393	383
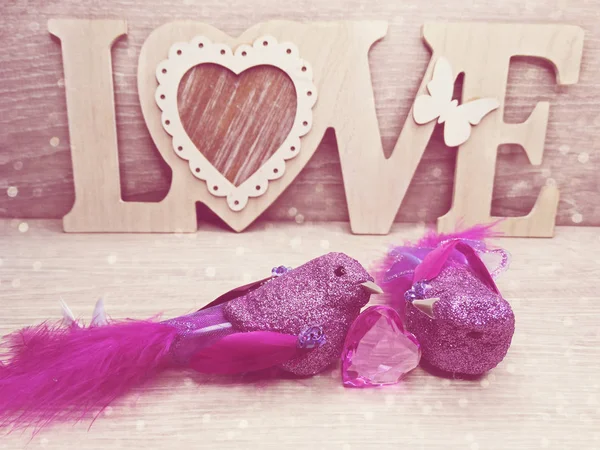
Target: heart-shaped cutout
232	170
236	121
378	350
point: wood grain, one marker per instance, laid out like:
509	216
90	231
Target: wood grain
34	144
559	45
545	394
237	122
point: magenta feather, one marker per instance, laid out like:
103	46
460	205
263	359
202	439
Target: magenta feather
54	373
475	233
408	261
246	352
433	263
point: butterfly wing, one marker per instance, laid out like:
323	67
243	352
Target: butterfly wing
476	110
440	88
457	130
441	85
458	124
426	109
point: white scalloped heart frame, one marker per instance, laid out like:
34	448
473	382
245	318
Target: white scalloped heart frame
264	51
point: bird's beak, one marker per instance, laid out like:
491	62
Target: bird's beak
371	287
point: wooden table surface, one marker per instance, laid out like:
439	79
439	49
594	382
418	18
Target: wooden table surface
545	394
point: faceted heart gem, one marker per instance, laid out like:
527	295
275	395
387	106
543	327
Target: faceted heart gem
378	350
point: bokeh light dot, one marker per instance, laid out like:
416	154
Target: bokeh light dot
583	157
12	191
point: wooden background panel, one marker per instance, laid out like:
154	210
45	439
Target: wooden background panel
35	167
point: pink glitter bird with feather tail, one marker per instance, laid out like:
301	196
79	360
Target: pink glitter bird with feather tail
295	320
444	289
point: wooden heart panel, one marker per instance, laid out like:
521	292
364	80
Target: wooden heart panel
236	115
236	121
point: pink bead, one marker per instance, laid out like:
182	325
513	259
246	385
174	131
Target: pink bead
378	350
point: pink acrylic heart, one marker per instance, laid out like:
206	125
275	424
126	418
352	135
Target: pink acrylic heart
378	350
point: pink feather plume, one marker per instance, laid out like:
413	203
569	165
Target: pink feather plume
476	233
54	373
395	289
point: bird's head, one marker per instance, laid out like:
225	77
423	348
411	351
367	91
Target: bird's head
340	278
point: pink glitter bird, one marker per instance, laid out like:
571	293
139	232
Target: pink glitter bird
448	298
295	320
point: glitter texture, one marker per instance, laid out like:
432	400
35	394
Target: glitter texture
472	326
311	295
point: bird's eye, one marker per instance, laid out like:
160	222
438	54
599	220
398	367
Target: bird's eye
340	271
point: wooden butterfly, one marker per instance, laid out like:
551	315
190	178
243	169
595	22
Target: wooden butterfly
439	105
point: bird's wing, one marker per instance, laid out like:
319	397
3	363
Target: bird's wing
245	352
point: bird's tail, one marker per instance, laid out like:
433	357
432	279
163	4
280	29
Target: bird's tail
53	372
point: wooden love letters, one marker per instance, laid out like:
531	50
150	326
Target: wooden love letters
237	118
